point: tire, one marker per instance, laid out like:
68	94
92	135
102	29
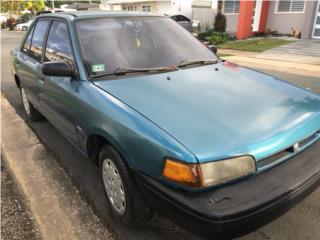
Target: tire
32	113
136	212
24	28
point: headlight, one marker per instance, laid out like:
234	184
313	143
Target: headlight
208	174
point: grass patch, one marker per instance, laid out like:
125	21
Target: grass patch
254	45
224	55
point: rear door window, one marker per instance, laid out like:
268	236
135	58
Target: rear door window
27	43
38	39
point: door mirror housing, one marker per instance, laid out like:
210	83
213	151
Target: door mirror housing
61	69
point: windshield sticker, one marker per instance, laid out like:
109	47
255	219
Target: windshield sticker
97	68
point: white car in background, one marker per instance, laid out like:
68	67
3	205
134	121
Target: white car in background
24	26
3	18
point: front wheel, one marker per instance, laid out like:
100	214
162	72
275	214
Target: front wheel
33	114
124	196
24	28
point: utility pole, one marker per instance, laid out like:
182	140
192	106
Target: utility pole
52	5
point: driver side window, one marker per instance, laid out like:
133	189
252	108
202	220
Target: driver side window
58	44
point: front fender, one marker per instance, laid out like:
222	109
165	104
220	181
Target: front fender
143	144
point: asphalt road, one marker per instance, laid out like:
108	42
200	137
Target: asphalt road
302	222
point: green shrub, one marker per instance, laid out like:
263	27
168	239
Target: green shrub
26	17
218	38
220	23
3	25
203	35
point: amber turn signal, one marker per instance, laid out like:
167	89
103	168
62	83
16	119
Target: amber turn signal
183	173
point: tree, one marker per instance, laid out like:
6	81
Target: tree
34	6
26	17
220	23
10	6
57	4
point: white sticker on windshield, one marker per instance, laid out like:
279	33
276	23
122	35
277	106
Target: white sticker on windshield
97	68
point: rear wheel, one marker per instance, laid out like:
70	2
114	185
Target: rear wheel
124	196
30	110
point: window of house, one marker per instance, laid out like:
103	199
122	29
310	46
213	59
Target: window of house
290	6
231	6
130	8
38	39
58	44
146	8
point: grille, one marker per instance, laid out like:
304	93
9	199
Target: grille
289	151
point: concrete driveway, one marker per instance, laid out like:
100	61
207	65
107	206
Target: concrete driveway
301	51
304	47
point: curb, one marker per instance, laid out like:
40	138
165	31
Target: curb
54	202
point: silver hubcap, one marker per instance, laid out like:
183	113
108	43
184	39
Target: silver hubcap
25	101
114	186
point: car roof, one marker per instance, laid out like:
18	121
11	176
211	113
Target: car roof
95	14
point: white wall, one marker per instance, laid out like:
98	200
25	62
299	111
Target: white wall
285	22
164	7
181	7
232	22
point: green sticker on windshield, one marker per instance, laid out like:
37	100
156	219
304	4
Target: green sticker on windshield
97	68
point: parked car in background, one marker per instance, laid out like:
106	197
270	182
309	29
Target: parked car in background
183	21
219	149
24	26
3	18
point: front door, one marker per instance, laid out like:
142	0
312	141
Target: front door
316	29
55	92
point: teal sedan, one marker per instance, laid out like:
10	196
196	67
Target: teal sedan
218	148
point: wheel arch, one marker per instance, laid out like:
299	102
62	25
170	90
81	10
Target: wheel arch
96	140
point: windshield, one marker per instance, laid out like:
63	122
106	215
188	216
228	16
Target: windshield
108	44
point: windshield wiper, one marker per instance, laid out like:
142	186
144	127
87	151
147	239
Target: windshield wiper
195	62
124	71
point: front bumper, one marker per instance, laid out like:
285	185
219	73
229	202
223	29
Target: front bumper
241	207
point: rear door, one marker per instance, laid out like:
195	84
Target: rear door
57	96
29	61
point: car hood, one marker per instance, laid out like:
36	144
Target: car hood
222	110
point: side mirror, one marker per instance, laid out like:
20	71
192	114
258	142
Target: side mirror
213	49
61	69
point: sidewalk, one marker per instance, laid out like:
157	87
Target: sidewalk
287	63
54	202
